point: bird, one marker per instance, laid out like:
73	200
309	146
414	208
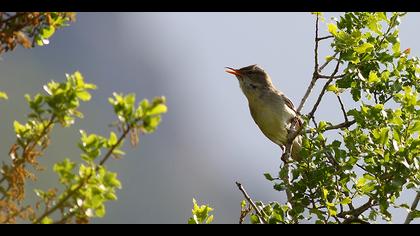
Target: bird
270	109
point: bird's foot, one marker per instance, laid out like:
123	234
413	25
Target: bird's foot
285	158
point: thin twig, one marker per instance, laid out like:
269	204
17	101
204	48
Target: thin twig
323	91
249	200
327	62
325	37
342	108
314	121
59	204
341	125
316	71
30	149
412	208
357	211
244	213
330	77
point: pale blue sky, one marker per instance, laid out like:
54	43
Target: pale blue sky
207	141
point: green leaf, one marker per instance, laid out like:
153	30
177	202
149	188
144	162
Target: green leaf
111	180
254	219
112	139
346	201
332	28
322	125
415	127
366	47
415	214
200	214
396	48
3	95
373	77
268	176
332	88
157	110
19	128
46	220
47	32
83	95
100	211
209	219
279	187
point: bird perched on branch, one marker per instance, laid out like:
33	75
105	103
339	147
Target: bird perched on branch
271	110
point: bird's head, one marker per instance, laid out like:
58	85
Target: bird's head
252	79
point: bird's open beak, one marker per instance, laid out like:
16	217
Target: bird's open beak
232	71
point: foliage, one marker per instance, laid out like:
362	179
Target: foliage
200	214
30	28
87	185
360	176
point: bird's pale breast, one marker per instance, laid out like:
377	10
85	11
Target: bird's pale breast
271	116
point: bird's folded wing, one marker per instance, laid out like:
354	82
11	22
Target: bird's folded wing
291	106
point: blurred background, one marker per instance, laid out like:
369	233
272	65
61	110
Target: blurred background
207	140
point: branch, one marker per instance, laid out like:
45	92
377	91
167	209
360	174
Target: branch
357	211
327	62
326	37
244	213
342	108
26	150
354	220
60	203
259	213
316	71
323	90
412	208
329	77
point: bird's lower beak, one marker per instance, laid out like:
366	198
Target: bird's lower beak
232	71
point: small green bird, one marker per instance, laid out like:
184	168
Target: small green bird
271	110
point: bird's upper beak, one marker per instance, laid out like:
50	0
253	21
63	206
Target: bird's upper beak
232	71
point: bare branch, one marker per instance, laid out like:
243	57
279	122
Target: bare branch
323	90
341	125
249	200
327	62
329	77
316	65
357	211
342	108
325	37
412	208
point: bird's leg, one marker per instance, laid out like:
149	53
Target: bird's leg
284	155
293	123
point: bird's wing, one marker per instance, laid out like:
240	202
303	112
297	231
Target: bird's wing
291	106
289	103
